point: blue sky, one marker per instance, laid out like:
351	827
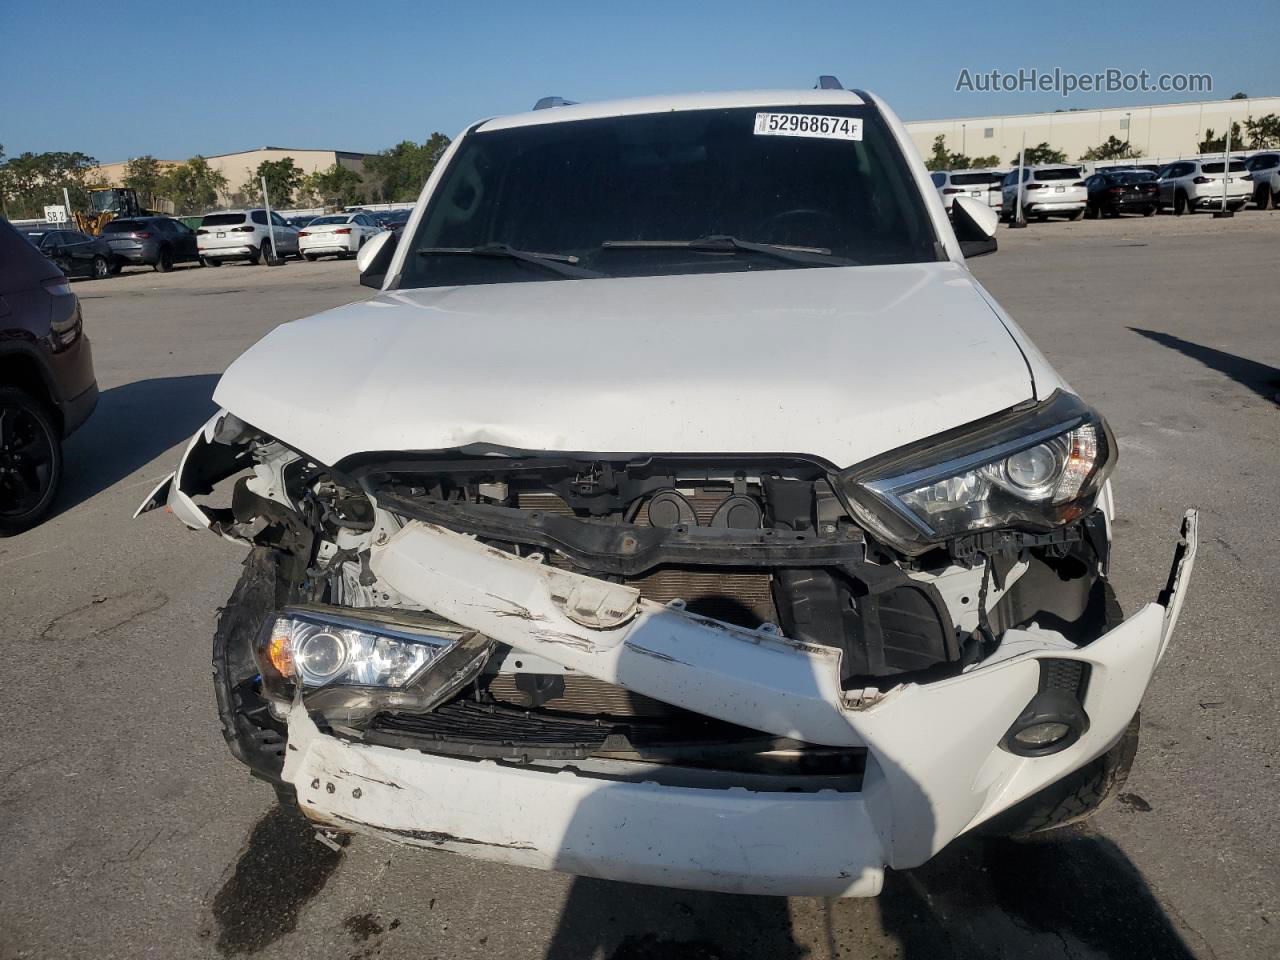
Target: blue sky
177	78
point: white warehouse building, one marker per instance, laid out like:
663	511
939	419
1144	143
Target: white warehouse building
1158	132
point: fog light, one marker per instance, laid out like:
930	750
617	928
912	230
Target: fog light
1041	735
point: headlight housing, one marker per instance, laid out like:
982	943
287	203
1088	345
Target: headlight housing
366	658
1036	468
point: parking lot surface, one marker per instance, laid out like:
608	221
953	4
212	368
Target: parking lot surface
128	830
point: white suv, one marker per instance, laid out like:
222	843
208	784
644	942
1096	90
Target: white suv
1191	185
681	511
242	235
981	185
1055	189
1265	170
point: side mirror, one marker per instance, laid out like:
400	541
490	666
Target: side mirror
374	258
975	225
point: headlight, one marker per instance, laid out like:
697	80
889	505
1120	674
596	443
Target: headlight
319	649
1035	469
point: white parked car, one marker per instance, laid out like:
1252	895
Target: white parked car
243	235
685	512
981	185
1191	185
1050	190
337	234
1264	168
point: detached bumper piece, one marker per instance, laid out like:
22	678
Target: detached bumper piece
936	756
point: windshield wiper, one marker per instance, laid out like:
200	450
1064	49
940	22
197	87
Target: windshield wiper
561	263
721	243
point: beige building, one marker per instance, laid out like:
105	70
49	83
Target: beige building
1161	132
239	167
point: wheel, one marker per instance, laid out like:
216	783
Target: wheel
1148	211
1078	215
30	460
165	263
116	266
210	262
101	269
259	254
1042	218
1091	211
1179	203
311	257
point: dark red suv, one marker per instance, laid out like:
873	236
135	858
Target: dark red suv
47	387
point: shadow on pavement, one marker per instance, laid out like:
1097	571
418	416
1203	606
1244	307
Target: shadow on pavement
1261	378
132	425
1062	898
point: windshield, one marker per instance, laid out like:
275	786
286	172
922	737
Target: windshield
335	219
587	189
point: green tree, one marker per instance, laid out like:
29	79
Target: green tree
1113	149
1264	133
338	185
399	172
193	186
943	159
144	174
30	181
1042	153
1212	144
283	176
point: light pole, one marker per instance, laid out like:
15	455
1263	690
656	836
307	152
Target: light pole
963	152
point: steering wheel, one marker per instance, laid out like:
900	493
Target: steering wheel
769	228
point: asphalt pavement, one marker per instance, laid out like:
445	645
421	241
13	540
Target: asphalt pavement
127	830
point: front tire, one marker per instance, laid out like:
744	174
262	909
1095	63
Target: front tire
1148	211
1078	215
101	269
30	460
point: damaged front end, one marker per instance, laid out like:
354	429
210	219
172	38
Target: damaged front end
750	673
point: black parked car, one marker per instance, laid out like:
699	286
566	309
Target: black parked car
47	387
77	254
157	242
1114	192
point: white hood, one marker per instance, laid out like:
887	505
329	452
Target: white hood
839	363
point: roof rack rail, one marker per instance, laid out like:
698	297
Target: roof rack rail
828	82
546	102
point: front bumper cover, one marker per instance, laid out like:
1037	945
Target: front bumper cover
934	770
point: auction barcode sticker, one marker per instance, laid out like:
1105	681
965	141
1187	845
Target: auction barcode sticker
808	125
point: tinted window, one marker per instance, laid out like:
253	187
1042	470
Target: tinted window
1237	166
20	265
570	187
259	216
1265	162
222	219
336	218
938	179
123	226
969	179
1059	173
1135	176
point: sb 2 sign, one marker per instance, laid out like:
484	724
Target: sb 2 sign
56	214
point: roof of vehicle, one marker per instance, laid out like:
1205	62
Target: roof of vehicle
672	102
975	170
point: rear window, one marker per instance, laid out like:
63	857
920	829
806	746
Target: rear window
335	219
1237	166
1058	173
123	226
222	219
1136	176
969	179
